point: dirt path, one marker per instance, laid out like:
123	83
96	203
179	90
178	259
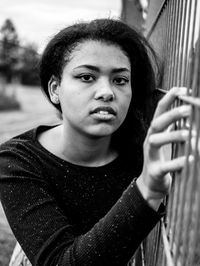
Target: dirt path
35	109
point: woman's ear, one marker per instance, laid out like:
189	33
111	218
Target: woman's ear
53	88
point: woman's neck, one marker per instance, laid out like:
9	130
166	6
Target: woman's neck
78	149
87	151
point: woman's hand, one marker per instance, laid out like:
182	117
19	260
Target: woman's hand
155	180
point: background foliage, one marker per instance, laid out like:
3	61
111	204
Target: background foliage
17	61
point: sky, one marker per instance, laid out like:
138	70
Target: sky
36	21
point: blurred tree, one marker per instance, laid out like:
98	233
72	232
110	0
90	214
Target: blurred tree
30	61
9	47
17	62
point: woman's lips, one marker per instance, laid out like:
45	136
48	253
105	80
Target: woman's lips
104	109
105	113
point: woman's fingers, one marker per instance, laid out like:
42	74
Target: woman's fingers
159	171
167	137
176	164
168	99
155	174
163	121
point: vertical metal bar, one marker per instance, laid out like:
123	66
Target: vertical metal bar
174	36
193	181
181	45
171	41
186	43
190	27
166	247
171	82
180	185
177	42
182	221
190	69
175	148
167	48
195	210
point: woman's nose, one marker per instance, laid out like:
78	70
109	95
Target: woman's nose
104	92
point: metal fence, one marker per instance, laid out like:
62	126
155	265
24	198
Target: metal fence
174	31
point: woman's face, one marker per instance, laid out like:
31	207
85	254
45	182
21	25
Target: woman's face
95	89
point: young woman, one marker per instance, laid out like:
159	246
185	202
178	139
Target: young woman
81	193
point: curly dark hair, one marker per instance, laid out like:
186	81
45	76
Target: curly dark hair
143	82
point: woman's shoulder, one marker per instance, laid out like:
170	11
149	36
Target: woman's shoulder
18	148
27	137
23	158
18	140
24	154
22	149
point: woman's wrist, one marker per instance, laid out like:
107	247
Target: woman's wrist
150	197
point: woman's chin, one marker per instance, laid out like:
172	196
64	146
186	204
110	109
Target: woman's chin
102	131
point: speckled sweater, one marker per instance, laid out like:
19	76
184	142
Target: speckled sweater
65	214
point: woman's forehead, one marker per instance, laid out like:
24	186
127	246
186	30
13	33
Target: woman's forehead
93	52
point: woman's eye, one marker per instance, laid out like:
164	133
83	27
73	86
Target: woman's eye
121	81
86	78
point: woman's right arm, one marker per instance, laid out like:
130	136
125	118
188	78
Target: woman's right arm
45	233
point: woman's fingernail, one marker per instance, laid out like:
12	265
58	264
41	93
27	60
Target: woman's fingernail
185	109
185	133
190	158
182	91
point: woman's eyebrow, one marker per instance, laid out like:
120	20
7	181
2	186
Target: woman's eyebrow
122	69
97	69
91	67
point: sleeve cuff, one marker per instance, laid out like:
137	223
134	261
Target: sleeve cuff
162	208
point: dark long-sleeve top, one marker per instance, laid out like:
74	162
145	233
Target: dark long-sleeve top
65	214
